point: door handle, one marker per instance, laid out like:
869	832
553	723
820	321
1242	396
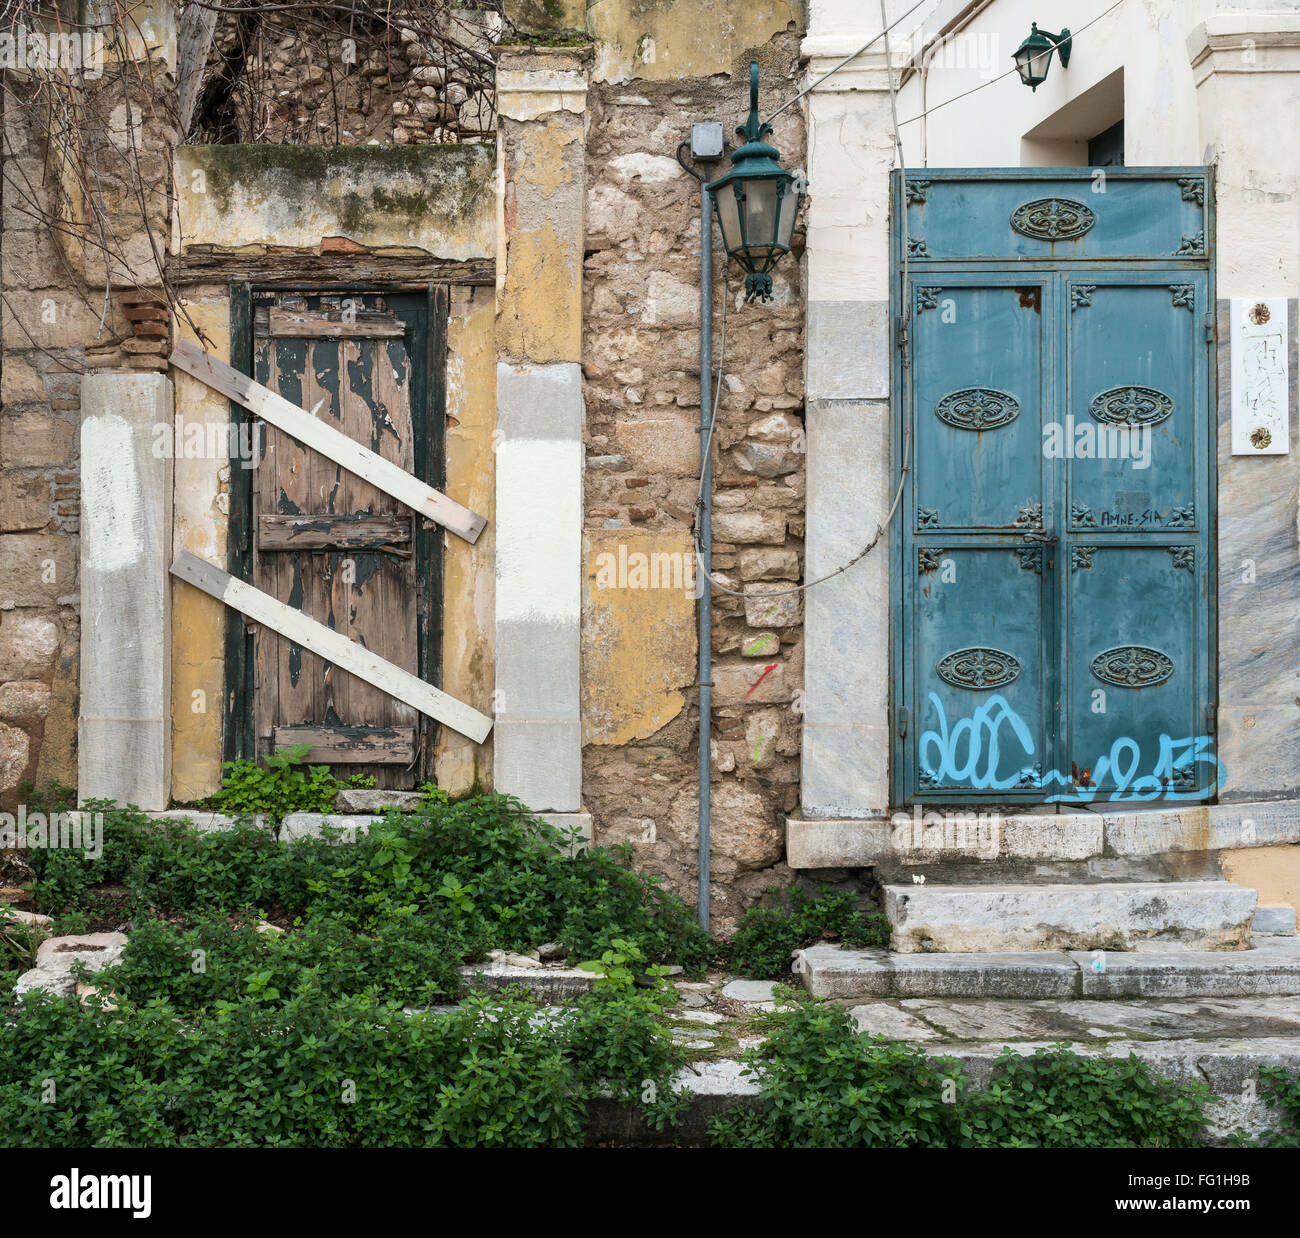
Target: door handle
1042	539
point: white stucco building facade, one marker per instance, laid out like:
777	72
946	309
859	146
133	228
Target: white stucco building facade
1193	83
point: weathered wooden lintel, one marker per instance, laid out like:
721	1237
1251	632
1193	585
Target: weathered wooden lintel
305	268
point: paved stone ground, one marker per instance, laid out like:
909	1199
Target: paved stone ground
1220	1042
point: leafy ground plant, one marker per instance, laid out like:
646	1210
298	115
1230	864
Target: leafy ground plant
484	867
1281	1091
826	1086
770	933
282	784
218	1028
313	1070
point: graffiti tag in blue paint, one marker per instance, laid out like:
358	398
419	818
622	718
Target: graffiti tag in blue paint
970	753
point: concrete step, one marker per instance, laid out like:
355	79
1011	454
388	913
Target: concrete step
1190	915
1270	969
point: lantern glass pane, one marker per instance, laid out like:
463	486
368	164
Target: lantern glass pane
728	216
760	212
1033	64
789	210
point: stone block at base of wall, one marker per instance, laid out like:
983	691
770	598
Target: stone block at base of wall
926	836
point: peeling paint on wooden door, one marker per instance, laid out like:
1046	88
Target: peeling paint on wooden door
333	546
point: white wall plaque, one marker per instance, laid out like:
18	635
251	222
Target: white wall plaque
1261	385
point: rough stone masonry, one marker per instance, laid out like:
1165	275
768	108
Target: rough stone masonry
641	354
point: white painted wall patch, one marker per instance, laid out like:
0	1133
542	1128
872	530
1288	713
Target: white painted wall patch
1261	385
111	503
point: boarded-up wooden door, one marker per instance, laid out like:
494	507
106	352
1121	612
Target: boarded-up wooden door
338	549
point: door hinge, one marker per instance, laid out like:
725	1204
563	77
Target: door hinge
902	724
1209	326
1211	719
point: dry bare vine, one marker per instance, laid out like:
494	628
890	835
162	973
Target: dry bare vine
91	118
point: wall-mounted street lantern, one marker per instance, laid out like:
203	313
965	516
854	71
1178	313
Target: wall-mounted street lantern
1034	56
757	202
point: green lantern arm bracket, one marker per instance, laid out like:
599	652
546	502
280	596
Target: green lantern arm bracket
1062	46
753	130
1060	41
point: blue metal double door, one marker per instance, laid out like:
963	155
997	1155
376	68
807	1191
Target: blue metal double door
1054	636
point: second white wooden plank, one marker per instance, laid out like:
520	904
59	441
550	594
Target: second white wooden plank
332	646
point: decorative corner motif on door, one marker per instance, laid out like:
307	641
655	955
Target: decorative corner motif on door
1053	219
927	298
928	559
1031	558
1192	188
978	668
1081	558
1081	514
1081	295
1183	517
1184	557
928	779
1132	666
1193	245
1030	517
927	518
916	191
977	408
916	247
1032	777
1184	296
1131	406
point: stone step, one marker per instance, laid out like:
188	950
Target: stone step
1270	969
1190	915
1275	920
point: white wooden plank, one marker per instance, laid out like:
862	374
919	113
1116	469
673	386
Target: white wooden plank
332	646
331	443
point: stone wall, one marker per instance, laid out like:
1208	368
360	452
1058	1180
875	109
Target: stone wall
78	286
641	368
320	79
635	328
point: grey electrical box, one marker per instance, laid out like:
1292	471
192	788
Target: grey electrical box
706	139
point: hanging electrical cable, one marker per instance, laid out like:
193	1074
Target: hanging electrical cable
965	94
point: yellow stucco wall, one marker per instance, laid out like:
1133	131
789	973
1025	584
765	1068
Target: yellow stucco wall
468	571
539	302
200	511
1272	871
638	632
665	40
